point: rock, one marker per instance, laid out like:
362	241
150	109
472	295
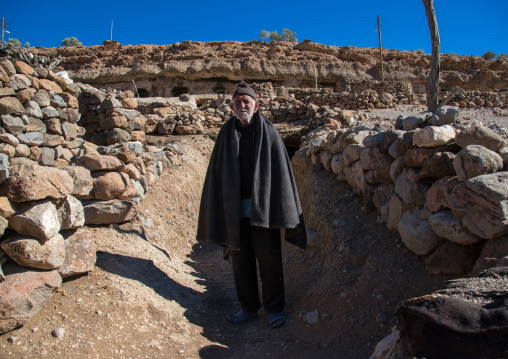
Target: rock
476	160
83	181
38	220
96	163
352	153
6	210
29	252
446	115
70	213
7	66
35	125
446	225
47	157
166	126
50	85
438	166
129	103
481	203
80	252
493	251
132	171
109	185
58	332
312	317
382	194
396	168
337	164
69	130
466	319
355	177
438	196
434	136
111	122
31	138
410	192
480	135
49	112
42	98
32	109
19	82
416	156
417	234
26	95
326	160
32	182
117	135
24	293
13	125
412	122
105	212
9	139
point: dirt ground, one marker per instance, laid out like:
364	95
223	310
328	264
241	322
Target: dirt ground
157	293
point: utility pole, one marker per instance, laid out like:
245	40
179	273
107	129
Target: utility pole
380	49
3	29
111	29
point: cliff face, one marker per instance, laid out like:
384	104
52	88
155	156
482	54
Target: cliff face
215	67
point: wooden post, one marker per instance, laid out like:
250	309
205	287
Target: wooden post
315	77
3	29
433	77
380	49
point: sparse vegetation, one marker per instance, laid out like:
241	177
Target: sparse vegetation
488	55
26	45
502	56
264	35
286	35
71	42
15	42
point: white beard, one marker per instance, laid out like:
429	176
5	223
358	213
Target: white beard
244	116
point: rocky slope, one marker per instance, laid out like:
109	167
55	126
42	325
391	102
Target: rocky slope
216	66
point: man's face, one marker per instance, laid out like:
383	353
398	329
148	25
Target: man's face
244	108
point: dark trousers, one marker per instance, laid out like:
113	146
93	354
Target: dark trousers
264	245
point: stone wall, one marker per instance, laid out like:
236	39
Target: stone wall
53	183
442	187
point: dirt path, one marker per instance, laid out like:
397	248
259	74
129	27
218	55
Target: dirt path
156	293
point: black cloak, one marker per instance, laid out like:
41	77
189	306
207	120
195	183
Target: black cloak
274	202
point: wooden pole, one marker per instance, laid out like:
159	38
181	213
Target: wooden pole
433	77
3	29
380	49
315	77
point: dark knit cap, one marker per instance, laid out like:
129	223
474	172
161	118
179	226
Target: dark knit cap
244	89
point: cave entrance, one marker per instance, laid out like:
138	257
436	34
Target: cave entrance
179	90
143	93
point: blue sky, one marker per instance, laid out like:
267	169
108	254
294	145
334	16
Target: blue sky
466	27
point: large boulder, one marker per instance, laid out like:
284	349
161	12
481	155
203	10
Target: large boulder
467	319
24	293
446	225
80	252
38	220
109	185
451	258
434	136
417	234
106	212
70	213
99	163
477	134
476	160
82	179
438	196
481	203
33	182
29	252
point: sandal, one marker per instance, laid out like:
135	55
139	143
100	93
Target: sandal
241	317
277	319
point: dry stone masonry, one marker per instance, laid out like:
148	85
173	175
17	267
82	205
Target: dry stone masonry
442	187
53	182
